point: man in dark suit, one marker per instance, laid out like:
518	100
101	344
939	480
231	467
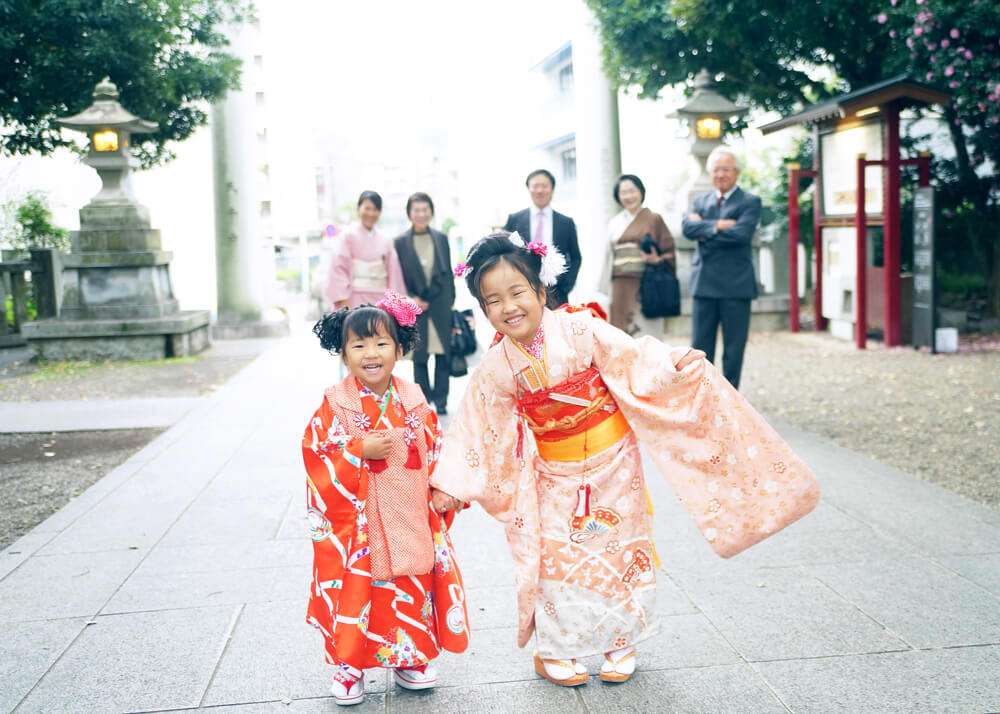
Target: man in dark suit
541	223
425	258
722	277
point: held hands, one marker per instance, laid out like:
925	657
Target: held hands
695	217
724	224
421	303
376	445
689	357
443	503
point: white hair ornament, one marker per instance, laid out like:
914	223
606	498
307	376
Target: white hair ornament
553	261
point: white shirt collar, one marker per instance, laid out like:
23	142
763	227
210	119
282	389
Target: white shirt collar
725	196
547	211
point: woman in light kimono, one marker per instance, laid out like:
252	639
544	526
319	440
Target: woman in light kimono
364	263
546	440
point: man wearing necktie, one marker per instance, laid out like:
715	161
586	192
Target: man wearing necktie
541	223
723	283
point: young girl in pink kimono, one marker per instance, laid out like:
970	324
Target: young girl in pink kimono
364	264
547	441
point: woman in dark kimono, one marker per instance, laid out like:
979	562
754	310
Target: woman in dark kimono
426	261
626	261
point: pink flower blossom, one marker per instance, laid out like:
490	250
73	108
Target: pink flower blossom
948	71
894	2
998	90
538	248
882	17
954	33
944	43
932	58
968	54
953	84
931	46
920	2
918	31
930	76
403	309
892	34
461	269
909	42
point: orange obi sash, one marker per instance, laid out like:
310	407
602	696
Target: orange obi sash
574	419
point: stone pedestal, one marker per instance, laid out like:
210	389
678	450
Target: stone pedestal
117	301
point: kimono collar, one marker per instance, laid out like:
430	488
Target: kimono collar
347	396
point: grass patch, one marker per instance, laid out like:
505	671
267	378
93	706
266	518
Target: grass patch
48	371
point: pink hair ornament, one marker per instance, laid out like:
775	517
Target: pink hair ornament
402	308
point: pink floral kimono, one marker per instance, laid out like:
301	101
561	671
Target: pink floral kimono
363	266
546	440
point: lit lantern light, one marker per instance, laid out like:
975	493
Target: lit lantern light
105	140
708	127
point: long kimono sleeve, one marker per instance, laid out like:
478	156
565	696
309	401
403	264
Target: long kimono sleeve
734	474
478	460
338	279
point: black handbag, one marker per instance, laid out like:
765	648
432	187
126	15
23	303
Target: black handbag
659	289
457	366
463	336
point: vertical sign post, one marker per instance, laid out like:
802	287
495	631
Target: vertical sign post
924	287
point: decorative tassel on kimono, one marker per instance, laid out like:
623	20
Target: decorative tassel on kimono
582	501
412	456
376	466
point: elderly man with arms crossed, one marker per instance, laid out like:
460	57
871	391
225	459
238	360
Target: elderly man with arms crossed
723	282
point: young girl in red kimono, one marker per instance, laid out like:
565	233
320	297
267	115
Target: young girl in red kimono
546	440
385	590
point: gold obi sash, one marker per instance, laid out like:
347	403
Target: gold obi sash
627	260
369	275
574	419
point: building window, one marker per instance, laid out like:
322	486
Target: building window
261	101
265	209
565	78
569	163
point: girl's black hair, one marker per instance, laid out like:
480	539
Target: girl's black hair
370	196
490	251
635	180
332	329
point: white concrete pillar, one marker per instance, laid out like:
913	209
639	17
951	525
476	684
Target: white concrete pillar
598	150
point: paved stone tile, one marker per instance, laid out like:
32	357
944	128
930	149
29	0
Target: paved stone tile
683	641
51	587
136	514
220	587
984	570
670	598
93	415
492	656
950	680
167	560
27	650
920	601
491	608
275	655
779	614
20	550
521	697
134	662
372	704
731	689
265	483
87	500
221	520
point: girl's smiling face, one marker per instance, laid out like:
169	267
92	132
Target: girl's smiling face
371	359
511	305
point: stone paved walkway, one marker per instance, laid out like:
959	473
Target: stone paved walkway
178	582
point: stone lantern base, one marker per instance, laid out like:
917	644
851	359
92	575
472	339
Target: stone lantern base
116	300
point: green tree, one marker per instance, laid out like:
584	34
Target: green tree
782	58
167	57
33	227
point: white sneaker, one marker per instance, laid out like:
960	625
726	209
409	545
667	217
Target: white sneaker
347	689
424	677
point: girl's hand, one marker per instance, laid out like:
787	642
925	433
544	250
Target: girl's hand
443	503
376	445
688	358
651	258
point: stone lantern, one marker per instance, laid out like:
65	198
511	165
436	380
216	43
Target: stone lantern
706	112
116	298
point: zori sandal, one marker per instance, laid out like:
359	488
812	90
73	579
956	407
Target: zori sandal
563	672
618	666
